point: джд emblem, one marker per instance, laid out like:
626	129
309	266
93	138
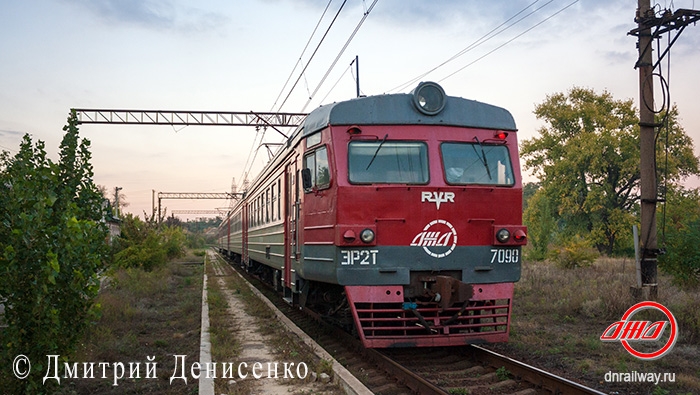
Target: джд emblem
438	239
627	330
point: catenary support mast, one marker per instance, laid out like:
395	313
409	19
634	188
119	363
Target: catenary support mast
649	27
647	166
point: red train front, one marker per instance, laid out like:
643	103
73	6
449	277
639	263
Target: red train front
407	226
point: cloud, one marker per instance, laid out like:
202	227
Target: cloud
11	133
154	14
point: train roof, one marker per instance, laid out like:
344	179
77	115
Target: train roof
405	109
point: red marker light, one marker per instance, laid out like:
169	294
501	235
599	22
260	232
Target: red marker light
502	135
519	235
349	236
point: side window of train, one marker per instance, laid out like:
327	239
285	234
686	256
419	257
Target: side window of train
316	173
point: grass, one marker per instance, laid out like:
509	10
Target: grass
143	314
559	315
286	346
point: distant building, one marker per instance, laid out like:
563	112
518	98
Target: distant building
113	223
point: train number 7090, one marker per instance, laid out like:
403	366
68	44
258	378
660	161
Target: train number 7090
505	255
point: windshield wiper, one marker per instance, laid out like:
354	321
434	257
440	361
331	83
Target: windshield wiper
483	159
377	151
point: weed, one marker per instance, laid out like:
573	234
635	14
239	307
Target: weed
585	365
324	366
660	391
502	373
144	314
161	343
458	391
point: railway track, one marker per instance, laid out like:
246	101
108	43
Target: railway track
456	370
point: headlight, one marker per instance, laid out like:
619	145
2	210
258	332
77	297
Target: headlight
503	235
429	98
367	236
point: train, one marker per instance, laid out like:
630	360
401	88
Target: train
395	216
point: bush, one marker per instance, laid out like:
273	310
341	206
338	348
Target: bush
148	254
145	245
575	252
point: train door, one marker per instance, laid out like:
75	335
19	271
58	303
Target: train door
228	235
244	235
292	205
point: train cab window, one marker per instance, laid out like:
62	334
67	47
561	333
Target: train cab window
391	162
477	163
312	140
316	166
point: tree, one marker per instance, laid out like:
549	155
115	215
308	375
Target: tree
52	247
682	236
540	221
587	158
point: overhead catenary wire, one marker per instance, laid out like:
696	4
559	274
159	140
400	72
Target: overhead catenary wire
481	40
312	56
340	53
511	40
366	13
308	42
666	92
349	68
252	153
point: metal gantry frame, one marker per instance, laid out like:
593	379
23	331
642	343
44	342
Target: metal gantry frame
195	196
188	118
200	212
274	120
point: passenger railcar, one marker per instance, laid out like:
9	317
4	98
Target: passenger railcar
398	216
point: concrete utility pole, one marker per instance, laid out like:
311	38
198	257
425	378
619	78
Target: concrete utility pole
647	167
646	22
116	200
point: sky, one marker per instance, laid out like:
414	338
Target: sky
234	55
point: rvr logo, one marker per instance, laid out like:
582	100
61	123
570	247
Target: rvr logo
437	197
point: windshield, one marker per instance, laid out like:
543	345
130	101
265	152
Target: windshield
475	163
393	162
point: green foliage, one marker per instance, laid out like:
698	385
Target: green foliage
52	247
587	160
575	252
196	241
144	245
200	225
541	224
682	238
